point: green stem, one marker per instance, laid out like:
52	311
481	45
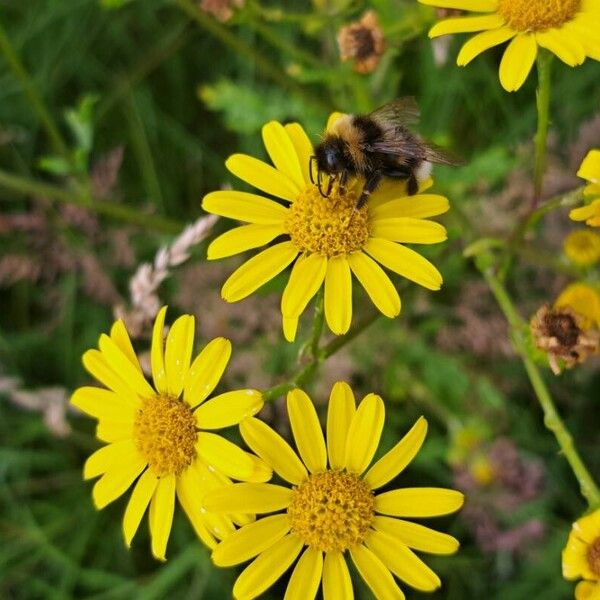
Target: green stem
544	62
304	374
35	100
552	419
107	208
318	321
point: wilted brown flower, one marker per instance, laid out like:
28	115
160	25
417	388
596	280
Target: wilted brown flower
362	42
560	333
222	10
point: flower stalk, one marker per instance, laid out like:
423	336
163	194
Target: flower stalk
544	64
552	421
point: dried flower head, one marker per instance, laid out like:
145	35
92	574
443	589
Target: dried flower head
559	332
362	42
222	10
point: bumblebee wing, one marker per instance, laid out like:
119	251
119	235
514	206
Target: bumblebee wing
440	156
403	111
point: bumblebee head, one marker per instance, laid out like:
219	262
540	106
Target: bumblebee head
330	155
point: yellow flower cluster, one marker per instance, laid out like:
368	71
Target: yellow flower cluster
160	441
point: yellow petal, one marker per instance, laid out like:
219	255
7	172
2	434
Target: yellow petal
307	431
206	371
96	364
342	407
178	352
104	458
224	456
305	280
375	574
157	360
138	503
190	489
405	262
338	295
471	5
584	213
303	147
590	167
364	433
119	363
481	42
419	502
403	562
258	270
102	404
250	540
120	337
337	584
114	431
243	238
409	230
466	25
399	457
261	472
282	152
267	568
587	590
228	409
274	450
306	577
517	61
563	45
420	206
256	498
116	481
290	327
376	283
417	536
162	507
333	118
263	176
243	206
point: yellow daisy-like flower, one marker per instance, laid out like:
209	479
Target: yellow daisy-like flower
329	506
582	247
590	171
584	300
326	237
581	556
162	436
567	28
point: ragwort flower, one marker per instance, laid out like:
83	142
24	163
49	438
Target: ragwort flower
582	247
567	28
590	171
161	436
581	556
328	506
325	238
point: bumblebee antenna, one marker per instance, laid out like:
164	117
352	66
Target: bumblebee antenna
320	183
311	162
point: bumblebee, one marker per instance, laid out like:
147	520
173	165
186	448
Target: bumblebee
375	146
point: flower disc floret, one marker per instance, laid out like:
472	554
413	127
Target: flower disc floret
327	226
164	432
538	15
332	511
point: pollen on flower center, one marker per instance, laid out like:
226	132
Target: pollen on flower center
332	511
537	15
593	557
327	226
164	432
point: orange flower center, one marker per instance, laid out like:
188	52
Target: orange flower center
593	557
164	432
538	15
328	226
332	511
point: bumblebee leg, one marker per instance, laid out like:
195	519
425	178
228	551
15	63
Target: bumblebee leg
371	183
320	183
412	186
343	181
330	185
311	163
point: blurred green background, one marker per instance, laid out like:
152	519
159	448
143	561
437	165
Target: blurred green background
115	119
